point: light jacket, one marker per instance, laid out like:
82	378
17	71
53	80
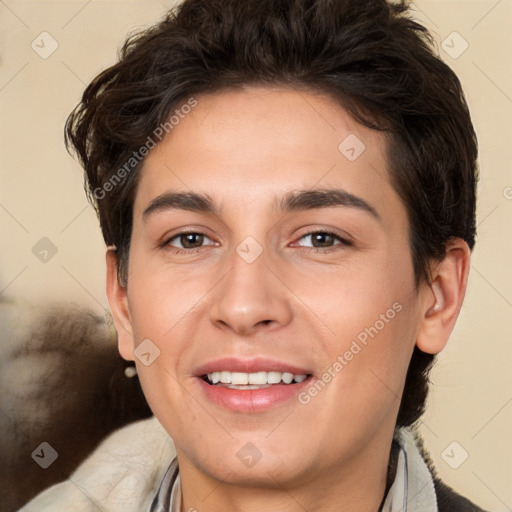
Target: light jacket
129	471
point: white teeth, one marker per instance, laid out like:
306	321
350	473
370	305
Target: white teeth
274	377
258	378
225	377
253	380
287	377
238	378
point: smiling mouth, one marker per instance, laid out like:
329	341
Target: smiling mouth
248	381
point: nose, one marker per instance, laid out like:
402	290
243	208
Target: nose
250	297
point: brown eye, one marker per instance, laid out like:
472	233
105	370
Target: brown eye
188	241
191	240
321	239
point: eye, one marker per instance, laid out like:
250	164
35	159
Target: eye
322	240
188	241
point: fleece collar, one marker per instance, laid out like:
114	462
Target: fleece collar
412	489
130	472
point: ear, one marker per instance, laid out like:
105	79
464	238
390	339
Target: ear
118	301
442	298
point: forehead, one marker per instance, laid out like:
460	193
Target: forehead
258	144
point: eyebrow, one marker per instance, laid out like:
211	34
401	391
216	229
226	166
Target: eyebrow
295	200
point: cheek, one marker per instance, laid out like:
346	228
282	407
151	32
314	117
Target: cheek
373	350
352	298
371	312
161	299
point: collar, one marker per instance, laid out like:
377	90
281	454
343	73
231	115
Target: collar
411	491
413	487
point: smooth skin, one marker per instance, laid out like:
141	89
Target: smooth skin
303	300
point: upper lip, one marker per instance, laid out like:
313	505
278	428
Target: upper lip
235	364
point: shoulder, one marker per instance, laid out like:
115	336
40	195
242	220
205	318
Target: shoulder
122	474
449	501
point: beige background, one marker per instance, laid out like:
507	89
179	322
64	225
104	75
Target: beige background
41	195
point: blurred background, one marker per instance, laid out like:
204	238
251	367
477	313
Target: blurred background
51	245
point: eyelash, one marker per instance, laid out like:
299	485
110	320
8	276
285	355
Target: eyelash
344	242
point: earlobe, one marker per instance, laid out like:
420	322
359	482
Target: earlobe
118	301
442	298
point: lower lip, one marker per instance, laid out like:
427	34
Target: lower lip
252	400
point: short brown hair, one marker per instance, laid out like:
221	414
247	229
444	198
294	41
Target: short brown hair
369	55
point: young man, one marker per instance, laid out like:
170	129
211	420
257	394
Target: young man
287	193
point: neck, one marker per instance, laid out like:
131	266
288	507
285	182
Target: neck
359	483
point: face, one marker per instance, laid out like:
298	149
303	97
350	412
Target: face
293	263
